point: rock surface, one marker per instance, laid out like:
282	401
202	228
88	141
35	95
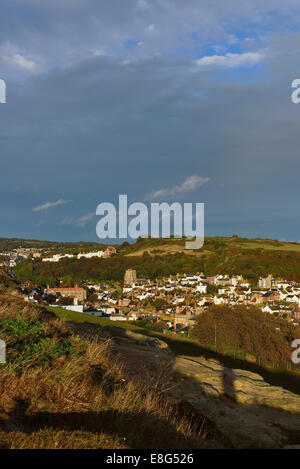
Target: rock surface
247	411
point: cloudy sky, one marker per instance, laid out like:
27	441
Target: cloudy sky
163	100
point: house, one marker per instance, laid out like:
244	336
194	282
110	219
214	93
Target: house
109	251
292	299
134	316
77	308
222	280
201	288
117	317
124	302
78	293
218	300
184	317
266	282
106	309
89	255
267	309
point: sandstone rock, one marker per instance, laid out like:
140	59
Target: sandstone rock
248	411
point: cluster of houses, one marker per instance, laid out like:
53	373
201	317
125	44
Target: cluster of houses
11	258
176	300
87	255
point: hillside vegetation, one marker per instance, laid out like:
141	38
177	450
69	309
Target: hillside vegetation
152	258
248	332
62	391
8	244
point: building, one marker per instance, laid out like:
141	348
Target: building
57	257
78	293
76	308
130	277
184	317
266	282
90	255
109	251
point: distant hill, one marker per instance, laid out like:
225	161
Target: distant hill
172	245
8	244
154	258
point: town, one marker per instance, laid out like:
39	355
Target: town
176	301
170	303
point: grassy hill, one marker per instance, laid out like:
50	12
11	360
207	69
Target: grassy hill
62	391
8	244
154	258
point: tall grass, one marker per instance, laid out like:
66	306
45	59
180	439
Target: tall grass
81	399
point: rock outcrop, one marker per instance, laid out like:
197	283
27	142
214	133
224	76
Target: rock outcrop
246	410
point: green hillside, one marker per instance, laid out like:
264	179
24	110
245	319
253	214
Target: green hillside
8	244
154	258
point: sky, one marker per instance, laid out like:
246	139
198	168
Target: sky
162	100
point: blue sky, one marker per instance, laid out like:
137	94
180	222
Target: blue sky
139	98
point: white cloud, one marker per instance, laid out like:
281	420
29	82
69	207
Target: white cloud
11	59
151	27
66	221
190	184
231	60
22	62
82	221
47	205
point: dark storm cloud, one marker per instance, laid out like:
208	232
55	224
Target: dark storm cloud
91	113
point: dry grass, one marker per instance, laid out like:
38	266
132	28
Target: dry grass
51	438
85	401
166	249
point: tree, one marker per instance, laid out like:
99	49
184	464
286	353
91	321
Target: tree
158	303
247	330
65	301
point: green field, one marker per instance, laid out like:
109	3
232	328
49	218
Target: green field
280	246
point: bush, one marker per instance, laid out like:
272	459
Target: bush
32	343
247	330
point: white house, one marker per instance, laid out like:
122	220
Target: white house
267	309
201	288
89	255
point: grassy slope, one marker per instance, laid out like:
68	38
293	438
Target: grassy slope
154	258
191	347
178	245
162	245
58	391
7	244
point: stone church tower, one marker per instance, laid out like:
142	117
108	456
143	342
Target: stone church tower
130	277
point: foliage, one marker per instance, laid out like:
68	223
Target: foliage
248	330
75	395
29	344
250	258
